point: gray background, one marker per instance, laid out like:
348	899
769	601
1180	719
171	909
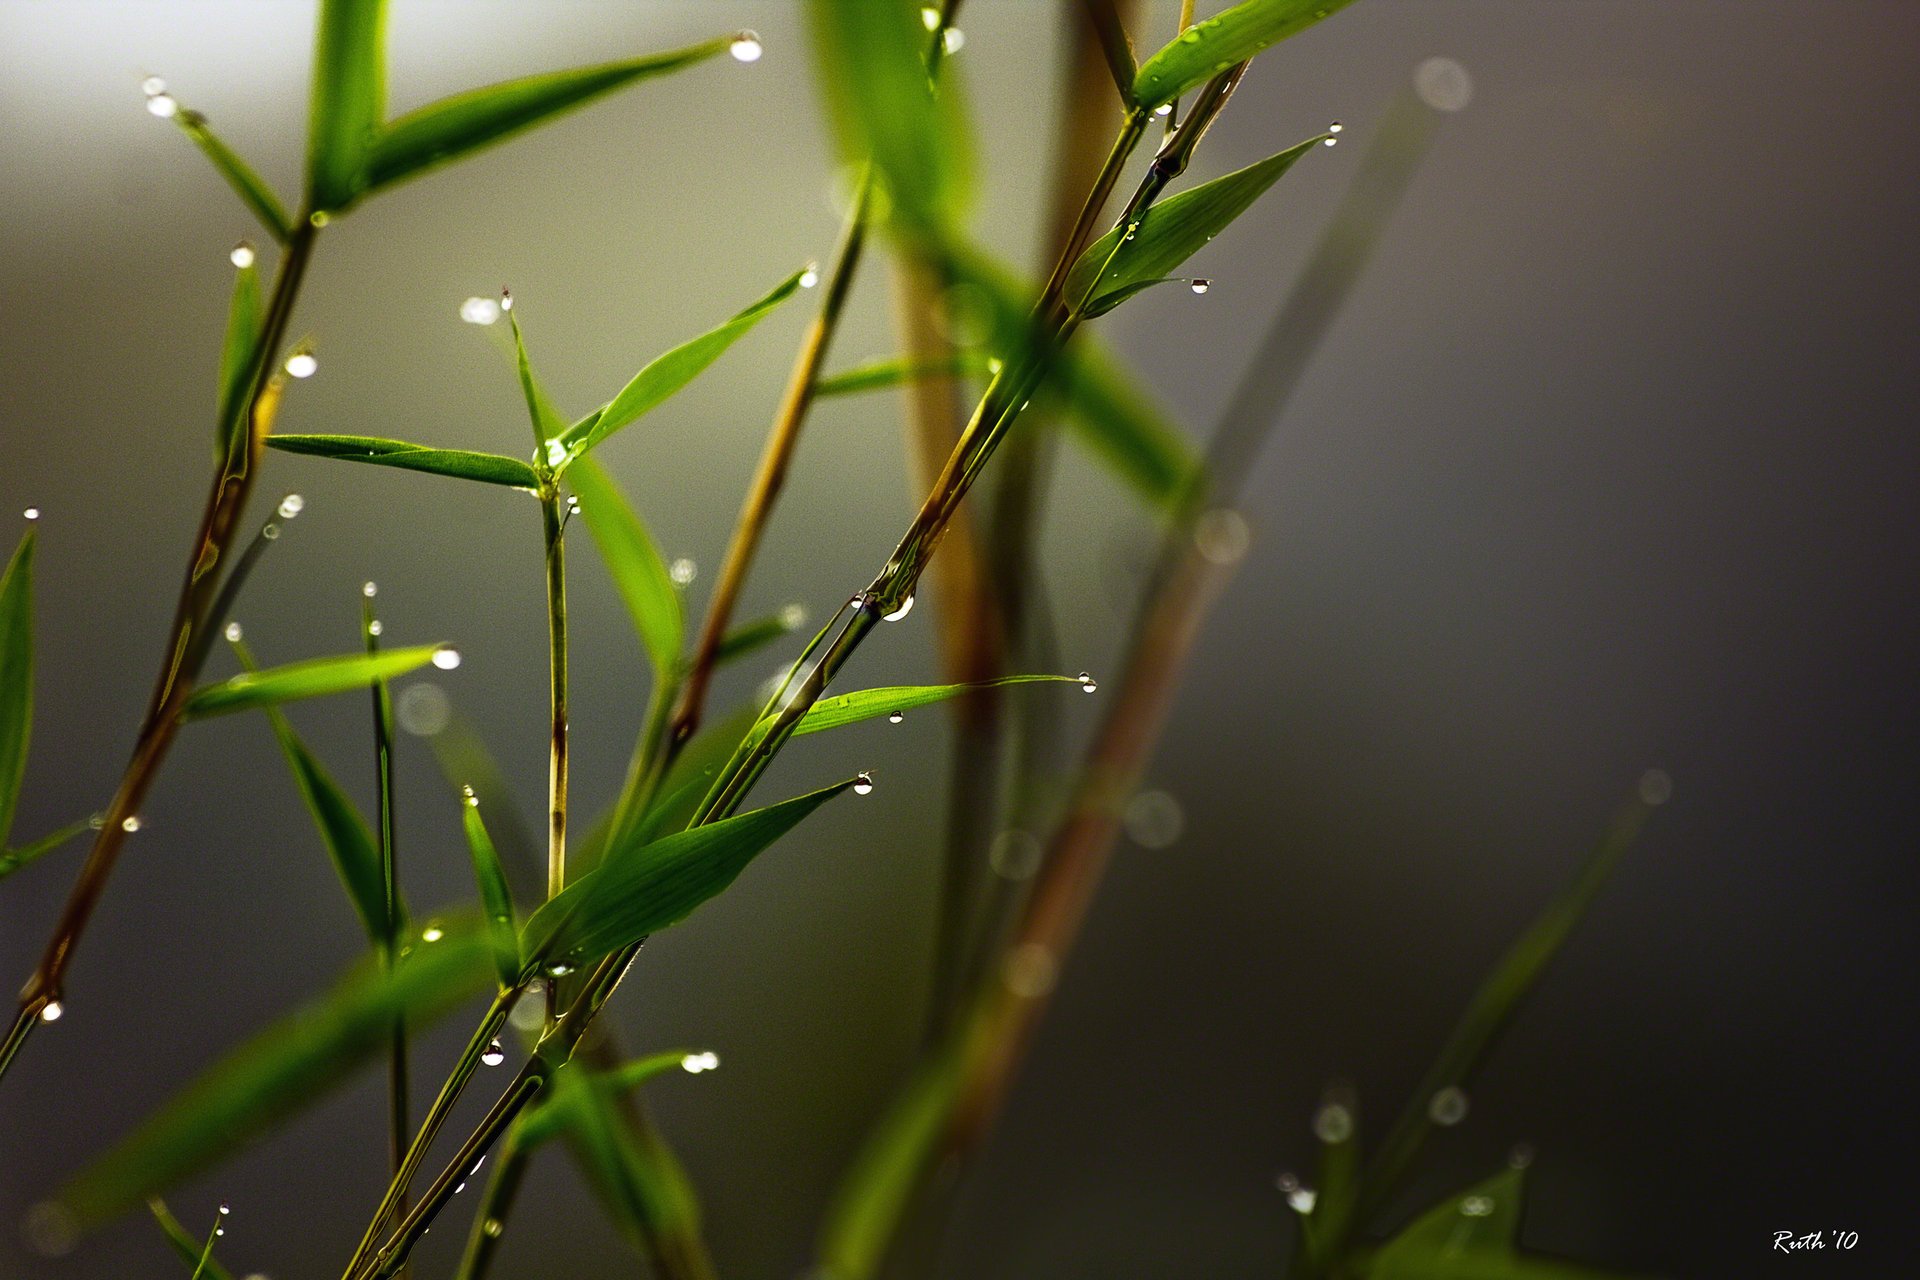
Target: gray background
1610	463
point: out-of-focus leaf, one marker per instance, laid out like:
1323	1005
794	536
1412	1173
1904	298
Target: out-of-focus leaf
872	62
237	353
868	704
894	370
248	185
634	561
547	422
349	99
1120	423
16	678
496	900
12	860
1471	1236
672	371
1213	44
1336	1180
288	1066
195	1253
488	468
343	830
872	1199
313	678
640	889
750	637
457	126
1173	229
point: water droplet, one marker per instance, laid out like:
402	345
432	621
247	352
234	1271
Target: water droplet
1329	142
1200	285
233	632
1029	971
1476	1206
242	255
153	85
931	17
1301	1200
97	821
301	364
810	277
163	105
494	1055
225	1209
424	710
683	571
559	970
473	801
1154	819
432	933
895	717
130	823
31	513
793	617
50	1229
446	657
1333	1124
1164	109
863	783
493	1228
1087	683
51	1011
1448	1106
953	39
556	452
905	607
695	1063
1520	1157
1287	1183
1443	84
375	627
1221	536
319	218
1015	854
270	531
478	310
292	505
1190	36
1656	787
1335	127
530	1010
746	47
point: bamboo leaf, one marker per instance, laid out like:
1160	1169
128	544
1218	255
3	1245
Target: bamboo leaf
349	841
633	559
496	900
871	1202
488	468
313	678
1211	45
1120	423
693	772
868	704
672	371
1114	297
1485	1218
640	889
248	185
237	353
750	637
549	1117
1173	230
872	57
193	1252
12	860
895	370
16	678
285	1068
349	100
547	422
455	127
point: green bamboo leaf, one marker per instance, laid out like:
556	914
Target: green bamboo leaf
16	678
549	1117
636	1178
194	1253
285	1068
252	189
1173	230
750	637
872	62
345	833
1112	298
894	370
313	678
349	100
12	860
693	773
1470	1236
245	313
633	559
1213	44
672	371
496	900
451	128
640	889
1121	424
547	422
488	468
868	1207
869	704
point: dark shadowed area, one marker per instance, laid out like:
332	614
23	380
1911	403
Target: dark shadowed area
1609	464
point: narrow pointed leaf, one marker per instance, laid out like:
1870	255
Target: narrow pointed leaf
488	468
1174	229
1122	425
1112	298
237	353
1200	52
454	127
633	559
868	704
16	678
349	99
285	1068
348	839
496	900
248	185
1470	1236
749	638
891	372
870	1203
640	889
672	371
313	678
194	1253
12	860
549	1117
546	420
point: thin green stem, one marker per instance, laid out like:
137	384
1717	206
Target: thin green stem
490	1222
397	1084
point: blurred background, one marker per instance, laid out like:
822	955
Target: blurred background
1609	464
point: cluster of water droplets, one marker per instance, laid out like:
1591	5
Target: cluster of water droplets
159	101
695	1063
